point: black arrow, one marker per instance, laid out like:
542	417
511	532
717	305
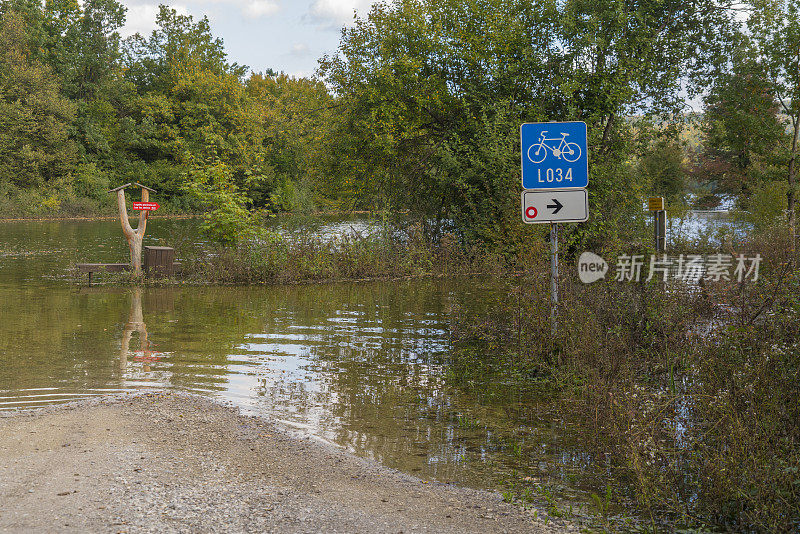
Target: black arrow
555	207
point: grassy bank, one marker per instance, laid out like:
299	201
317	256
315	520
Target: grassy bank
275	259
55	204
693	392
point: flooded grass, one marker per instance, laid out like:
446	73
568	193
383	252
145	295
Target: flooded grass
344	255
696	426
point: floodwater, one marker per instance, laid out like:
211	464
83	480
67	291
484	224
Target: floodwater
363	366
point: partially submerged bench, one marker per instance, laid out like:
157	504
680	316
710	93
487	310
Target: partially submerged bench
158	261
107	267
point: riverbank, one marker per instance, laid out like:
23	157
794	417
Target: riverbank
177	463
113	215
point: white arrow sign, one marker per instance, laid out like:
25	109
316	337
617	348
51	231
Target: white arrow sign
555	205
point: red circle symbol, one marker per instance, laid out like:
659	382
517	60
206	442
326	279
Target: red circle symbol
531	212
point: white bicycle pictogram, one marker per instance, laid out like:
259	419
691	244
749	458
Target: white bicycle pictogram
571	152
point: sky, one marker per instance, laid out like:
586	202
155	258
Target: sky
284	35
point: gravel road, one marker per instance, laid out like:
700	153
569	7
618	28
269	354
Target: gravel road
181	463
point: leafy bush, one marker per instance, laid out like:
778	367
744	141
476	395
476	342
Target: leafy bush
90	182
227	219
766	205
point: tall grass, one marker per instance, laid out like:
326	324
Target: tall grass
693	391
274	259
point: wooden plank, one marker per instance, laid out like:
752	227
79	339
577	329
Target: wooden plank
129	184
144	187
108	267
120	187
159	260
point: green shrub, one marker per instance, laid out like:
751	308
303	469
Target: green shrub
767	205
90	182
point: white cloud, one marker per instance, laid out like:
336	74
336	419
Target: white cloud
338	12
141	17
260	8
299	50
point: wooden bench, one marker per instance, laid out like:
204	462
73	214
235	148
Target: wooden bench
107	267
158	261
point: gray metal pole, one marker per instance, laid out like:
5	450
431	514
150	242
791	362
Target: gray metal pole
554	278
655	230
662	231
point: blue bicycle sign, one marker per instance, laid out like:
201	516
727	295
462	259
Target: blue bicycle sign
554	155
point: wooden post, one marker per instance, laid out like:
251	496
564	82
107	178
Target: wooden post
134	237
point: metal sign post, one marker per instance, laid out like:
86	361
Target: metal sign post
553	278
657	206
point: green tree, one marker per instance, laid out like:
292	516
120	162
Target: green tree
87	52
35	148
743	131
775	29
154	63
191	105
294	115
78	41
662	165
228	219
423	85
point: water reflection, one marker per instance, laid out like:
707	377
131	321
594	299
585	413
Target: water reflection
360	365
135	324
144	357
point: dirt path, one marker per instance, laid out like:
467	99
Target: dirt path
177	463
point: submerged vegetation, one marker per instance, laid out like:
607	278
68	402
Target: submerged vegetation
273	258
692	392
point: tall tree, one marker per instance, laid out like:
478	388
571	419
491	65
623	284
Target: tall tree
35	148
744	133
91	50
293	115
434	91
78	41
191	106
775	29
154	63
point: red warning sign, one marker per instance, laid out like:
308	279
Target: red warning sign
145	206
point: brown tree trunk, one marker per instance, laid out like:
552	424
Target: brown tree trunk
134	237
791	197
604	145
